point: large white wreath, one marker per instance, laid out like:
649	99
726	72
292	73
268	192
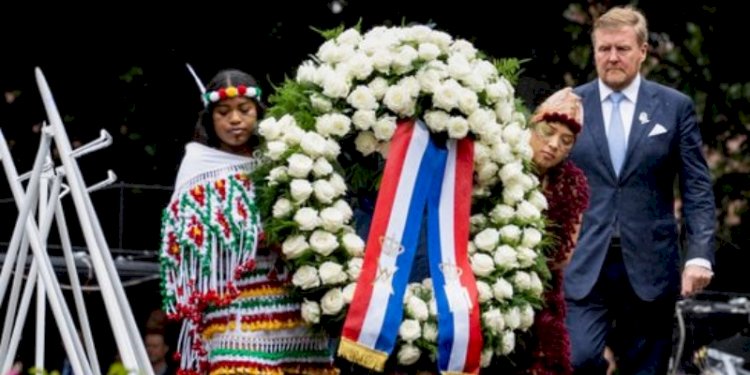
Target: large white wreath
336	119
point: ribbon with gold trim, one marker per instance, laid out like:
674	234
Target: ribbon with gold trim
414	171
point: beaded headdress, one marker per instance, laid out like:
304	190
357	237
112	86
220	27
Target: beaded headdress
565	107
230	91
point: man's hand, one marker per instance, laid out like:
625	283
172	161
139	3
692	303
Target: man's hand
695	279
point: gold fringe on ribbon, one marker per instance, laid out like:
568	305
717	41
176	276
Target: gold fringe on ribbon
357	353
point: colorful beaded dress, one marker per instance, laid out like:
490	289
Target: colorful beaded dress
232	295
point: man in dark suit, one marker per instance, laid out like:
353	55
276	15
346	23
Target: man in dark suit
638	138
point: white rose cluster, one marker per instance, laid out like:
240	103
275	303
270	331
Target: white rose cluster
359	86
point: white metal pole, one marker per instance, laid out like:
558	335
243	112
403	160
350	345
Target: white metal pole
127	336
41	304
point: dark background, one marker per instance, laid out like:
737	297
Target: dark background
122	69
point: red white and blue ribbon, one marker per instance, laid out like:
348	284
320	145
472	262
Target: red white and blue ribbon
449	208
415	175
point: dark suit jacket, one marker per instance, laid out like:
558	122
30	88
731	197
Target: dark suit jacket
642	198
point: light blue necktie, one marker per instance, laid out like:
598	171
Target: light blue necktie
616	136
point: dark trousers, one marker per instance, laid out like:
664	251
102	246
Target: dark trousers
639	332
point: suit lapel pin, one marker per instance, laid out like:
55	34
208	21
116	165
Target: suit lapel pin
643	118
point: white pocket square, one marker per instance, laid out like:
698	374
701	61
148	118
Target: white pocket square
658	129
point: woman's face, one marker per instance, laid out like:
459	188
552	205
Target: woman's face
234	121
551	143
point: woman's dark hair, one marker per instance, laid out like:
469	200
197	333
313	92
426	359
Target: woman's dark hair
204	129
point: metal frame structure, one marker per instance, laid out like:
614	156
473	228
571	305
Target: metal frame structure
47	185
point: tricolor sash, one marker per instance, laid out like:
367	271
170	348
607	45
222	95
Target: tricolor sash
419	176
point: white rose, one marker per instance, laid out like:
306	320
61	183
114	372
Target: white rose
359	66
468	102
281	208
381	60
511	172
526	257
353	244
322	167
362	98
508	342
502	290
366	143
323	243
338	184
441	39
354	268
417	309
340	124
350	37
378	86
538	200
408	354
294	246
313	144
333	149
487	172
512	317
344	209
364	119
437	120
331	273
493	320
301	190
402	61
484	291
411	85
311	311
458	127
526	182
502	214
504	110
531	237
336	85
510	234
269	130
275	149
524	150
410	330
430	332
481	121
458	66
513	133
527	317
292	133
487	239
398	99
277	174
536	284
306	277
502	153
527	212
505	257
331	219
465	48
332	302
384	128
486	358
320	103
348	292
522	280
322	73
306	72
324	192
481	153
512	193
482	264
446	95
307	218
428	51
429	79
299	165
475	81
477	222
